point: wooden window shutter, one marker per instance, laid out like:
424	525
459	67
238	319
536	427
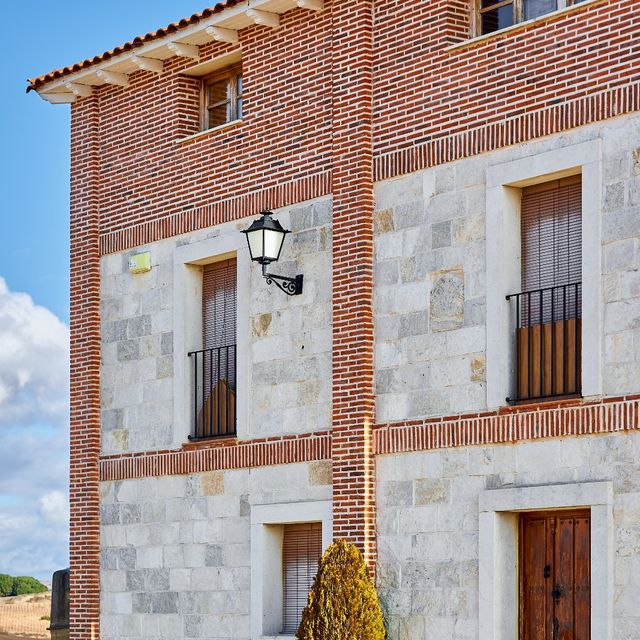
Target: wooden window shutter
552	234
301	550
219	304
216	367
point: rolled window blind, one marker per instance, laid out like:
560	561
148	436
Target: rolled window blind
219	304
552	242
302	548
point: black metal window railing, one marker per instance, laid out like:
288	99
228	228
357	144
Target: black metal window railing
214	392
548	342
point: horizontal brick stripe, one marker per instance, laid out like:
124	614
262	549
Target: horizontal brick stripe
581	418
216	213
520	128
216	457
505	426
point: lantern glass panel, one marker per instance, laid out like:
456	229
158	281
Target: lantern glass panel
272	244
256	244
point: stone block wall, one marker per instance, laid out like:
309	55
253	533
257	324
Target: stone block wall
289	342
428	525
430	278
175	551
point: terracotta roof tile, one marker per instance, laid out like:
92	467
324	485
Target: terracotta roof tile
139	41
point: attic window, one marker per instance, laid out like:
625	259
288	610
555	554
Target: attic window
221	97
493	15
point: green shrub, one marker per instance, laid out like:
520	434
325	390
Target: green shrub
343	603
22	585
6	585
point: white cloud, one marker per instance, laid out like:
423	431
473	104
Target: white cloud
34	455
34	355
54	507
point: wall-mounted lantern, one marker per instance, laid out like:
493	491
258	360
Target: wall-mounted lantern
265	238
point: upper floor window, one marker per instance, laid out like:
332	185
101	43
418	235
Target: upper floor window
214	366
548	311
494	15
221	97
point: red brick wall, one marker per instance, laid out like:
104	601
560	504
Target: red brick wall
352	171
421	90
284	135
85	373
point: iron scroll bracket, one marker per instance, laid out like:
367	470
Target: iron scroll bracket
291	286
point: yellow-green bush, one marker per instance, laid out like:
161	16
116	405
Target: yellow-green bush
343	603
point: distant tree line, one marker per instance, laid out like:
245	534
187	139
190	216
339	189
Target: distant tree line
10	586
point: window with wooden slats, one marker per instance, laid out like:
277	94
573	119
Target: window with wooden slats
549	308
216	368
551	219
301	550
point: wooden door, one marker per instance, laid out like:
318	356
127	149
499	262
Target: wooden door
555	576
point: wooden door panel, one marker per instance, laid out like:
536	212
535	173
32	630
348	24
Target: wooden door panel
582	602
555	575
534	550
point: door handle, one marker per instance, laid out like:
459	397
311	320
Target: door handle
556	628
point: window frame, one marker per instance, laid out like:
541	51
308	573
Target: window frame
518	13
504	181
267	534
188	261
498	552
231	74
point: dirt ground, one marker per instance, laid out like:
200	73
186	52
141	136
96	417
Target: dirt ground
21	617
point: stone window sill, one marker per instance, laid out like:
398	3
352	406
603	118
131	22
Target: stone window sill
520	26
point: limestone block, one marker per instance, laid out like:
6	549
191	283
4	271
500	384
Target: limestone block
320	473
408	188
614	196
409	214
447	300
389	245
396	493
619	347
432	491
386	272
383	221
622	315
621	255
468	229
441	234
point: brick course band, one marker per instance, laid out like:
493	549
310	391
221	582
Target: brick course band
505	426
511	426
518	129
216	213
239	455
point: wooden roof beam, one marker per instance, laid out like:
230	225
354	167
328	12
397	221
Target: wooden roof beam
148	64
185	50
82	90
222	35
314	5
264	18
112	77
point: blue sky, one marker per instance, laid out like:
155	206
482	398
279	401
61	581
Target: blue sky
34	271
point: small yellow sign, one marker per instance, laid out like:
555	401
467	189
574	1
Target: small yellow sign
140	263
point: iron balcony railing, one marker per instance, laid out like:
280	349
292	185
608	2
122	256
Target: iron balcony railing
548	342
214	392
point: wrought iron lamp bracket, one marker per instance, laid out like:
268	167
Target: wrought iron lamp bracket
291	286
